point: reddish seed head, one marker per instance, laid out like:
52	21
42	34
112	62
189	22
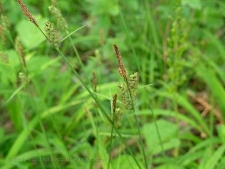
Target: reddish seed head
27	12
114	103
122	70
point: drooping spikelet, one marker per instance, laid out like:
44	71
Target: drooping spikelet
114	103
127	90
27	12
61	22
51	33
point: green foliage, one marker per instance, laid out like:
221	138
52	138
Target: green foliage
124	161
51	115
167	134
32	38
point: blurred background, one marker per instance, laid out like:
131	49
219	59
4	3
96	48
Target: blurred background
177	48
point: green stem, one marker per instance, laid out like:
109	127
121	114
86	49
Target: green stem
97	102
111	138
94	97
136	121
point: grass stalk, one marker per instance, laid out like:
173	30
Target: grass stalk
96	100
123	73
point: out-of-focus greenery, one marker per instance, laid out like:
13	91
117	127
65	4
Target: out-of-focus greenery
49	120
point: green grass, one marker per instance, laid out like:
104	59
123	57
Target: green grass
51	115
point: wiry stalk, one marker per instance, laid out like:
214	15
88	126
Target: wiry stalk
123	73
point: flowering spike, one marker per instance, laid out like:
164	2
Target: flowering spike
122	70
116	112
114	103
127	98
51	33
27	12
61	22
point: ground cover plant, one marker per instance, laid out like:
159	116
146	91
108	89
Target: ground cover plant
112	84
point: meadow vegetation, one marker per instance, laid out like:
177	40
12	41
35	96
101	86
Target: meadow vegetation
112	84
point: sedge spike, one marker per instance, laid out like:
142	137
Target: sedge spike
27	12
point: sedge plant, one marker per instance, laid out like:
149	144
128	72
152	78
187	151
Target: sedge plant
127	91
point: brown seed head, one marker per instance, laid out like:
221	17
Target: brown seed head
114	103
27	12
122	70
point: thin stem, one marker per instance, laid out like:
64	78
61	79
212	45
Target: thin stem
159	136
97	102
69	34
123	73
111	138
76	52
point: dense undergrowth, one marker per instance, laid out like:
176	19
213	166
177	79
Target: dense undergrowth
68	100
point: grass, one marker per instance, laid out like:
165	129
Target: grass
62	98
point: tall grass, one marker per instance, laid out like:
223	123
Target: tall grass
62	102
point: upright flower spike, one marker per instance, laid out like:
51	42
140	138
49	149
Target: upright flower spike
126	91
61	22
116	112
122	70
114	103
27	12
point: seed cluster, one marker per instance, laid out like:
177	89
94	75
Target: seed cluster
27	12
61	22
51	33
127	93
122	70
127	90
